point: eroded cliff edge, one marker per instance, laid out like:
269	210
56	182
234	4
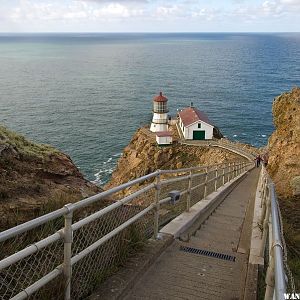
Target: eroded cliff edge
143	156
284	168
284	144
35	179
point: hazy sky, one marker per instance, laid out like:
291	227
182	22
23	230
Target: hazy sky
149	15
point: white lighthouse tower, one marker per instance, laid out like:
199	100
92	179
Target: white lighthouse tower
160	114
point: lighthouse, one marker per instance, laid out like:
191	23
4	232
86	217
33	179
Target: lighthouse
160	114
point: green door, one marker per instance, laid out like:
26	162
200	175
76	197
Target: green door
199	135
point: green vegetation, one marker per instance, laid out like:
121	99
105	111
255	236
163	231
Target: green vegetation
24	146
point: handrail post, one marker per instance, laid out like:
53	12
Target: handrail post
216	178
67	267
234	169
205	184
156	213
223	175
228	174
188	202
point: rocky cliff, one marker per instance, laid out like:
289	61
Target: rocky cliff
35	179
143	156
284	144
284	168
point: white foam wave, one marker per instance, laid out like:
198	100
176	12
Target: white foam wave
106	169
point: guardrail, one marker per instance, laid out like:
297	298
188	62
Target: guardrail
276	279
66	253
225	144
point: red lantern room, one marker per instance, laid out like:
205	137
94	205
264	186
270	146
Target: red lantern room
160	104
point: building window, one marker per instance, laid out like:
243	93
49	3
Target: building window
199	125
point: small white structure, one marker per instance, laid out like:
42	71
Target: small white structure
164	138
160	114
195	125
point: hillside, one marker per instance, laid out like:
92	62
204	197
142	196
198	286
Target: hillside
35	179
284	168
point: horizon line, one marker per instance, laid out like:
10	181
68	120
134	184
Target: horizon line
139	32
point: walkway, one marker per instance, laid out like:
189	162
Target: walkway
227	145
183	272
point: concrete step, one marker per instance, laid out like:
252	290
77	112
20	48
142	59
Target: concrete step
220	226
230	213
218	232
212	244
225	219
187	284
237	212
232	204
221	238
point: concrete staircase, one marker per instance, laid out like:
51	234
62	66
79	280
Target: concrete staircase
192	270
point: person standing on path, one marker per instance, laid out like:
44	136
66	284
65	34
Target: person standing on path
257	160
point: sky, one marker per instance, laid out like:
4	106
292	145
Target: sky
149	15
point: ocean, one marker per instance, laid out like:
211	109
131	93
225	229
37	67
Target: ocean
86	94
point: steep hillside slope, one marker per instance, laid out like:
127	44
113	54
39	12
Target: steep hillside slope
284	168
35	179
284	144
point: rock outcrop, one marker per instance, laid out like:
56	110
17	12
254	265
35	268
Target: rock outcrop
284	168
35	179
143	156
284	144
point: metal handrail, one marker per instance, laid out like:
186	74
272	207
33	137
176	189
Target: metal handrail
275	277
228	145
69	208
66	233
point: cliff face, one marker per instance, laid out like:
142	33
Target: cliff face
143	156
284	144
35	179
284	168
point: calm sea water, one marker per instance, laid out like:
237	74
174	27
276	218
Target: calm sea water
87	93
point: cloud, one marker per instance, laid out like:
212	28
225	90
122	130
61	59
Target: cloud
117	1
291	2
143	14
77	10
116	10
165	11
208	14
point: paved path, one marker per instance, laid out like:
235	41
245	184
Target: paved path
178	274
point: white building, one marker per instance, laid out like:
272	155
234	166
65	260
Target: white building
164	138
195	125
160	114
